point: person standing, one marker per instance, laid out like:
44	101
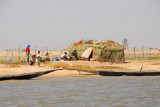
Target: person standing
38	57
28	52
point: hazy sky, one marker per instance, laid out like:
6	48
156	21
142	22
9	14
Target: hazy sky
58	23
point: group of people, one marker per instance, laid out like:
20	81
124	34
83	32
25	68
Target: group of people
73	57
38	56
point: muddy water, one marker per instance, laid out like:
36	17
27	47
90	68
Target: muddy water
82	91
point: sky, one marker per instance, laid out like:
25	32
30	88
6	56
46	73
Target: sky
58	23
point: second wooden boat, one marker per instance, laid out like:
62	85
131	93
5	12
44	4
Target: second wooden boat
113	73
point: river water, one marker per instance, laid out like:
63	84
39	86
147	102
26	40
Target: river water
121	91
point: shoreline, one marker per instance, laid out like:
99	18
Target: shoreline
5	71
132	65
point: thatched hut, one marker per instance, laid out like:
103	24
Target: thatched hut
103	51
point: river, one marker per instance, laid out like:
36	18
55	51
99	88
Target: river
111	91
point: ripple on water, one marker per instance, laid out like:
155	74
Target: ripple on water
82	91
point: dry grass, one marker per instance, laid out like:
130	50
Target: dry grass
12	65
58	64
81	67
112	67
158	63
70	65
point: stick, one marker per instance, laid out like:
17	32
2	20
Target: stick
12	54
6	55
42	52
142	52
150	52
47	51
19	54
35	50
141	69
134	52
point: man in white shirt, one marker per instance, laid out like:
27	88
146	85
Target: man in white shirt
64	56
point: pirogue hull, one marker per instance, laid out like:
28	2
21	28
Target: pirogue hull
122	73
25	75
113	73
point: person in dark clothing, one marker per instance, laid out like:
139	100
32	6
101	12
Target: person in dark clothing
75	54
73	58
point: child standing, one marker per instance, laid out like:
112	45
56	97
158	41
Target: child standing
38	58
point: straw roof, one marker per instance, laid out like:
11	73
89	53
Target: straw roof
110	45
101	49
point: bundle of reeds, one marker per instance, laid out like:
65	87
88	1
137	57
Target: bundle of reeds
104	51
58	64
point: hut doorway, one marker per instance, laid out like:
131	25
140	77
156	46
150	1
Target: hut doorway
88	53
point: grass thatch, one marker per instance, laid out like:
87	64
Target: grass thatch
102	51
58	64
9	62
81	67
12	65
111	68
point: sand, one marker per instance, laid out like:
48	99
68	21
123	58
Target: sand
12	69
130	65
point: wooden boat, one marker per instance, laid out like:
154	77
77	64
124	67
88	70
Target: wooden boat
124	73
26	75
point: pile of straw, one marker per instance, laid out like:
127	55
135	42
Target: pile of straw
105	51
12	65
58	64
111	68
81	67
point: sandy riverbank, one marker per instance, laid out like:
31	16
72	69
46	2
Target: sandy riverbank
12	69
131	65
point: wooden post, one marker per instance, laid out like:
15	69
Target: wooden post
47	52
42	51
6	55
128	52
61	51
141	69
19	58
35	50
150	50
12	54
142	52
134	52
146	56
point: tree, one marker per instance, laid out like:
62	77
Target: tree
125	43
